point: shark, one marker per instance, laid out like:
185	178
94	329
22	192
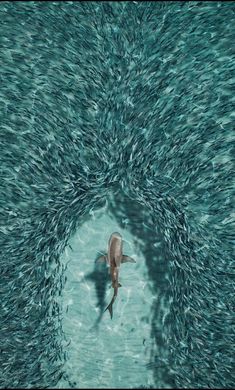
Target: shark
114	258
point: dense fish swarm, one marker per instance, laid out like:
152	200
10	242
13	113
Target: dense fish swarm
130	98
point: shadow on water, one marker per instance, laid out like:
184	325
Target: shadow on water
100	277
136	218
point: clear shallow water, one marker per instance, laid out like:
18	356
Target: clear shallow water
134	99
116	352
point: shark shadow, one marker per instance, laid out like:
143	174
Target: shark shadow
100	277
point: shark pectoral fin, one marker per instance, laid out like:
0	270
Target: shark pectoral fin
101	259
127	259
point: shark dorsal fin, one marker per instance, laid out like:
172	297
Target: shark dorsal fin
127	259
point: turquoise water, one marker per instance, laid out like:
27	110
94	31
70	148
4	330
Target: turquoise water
117	351
117	116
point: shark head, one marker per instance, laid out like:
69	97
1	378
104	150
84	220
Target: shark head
115	249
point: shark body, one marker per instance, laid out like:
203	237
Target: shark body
114	259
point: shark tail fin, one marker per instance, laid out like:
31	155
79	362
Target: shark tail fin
110	309
127	259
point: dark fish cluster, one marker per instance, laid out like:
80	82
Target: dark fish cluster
133	99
